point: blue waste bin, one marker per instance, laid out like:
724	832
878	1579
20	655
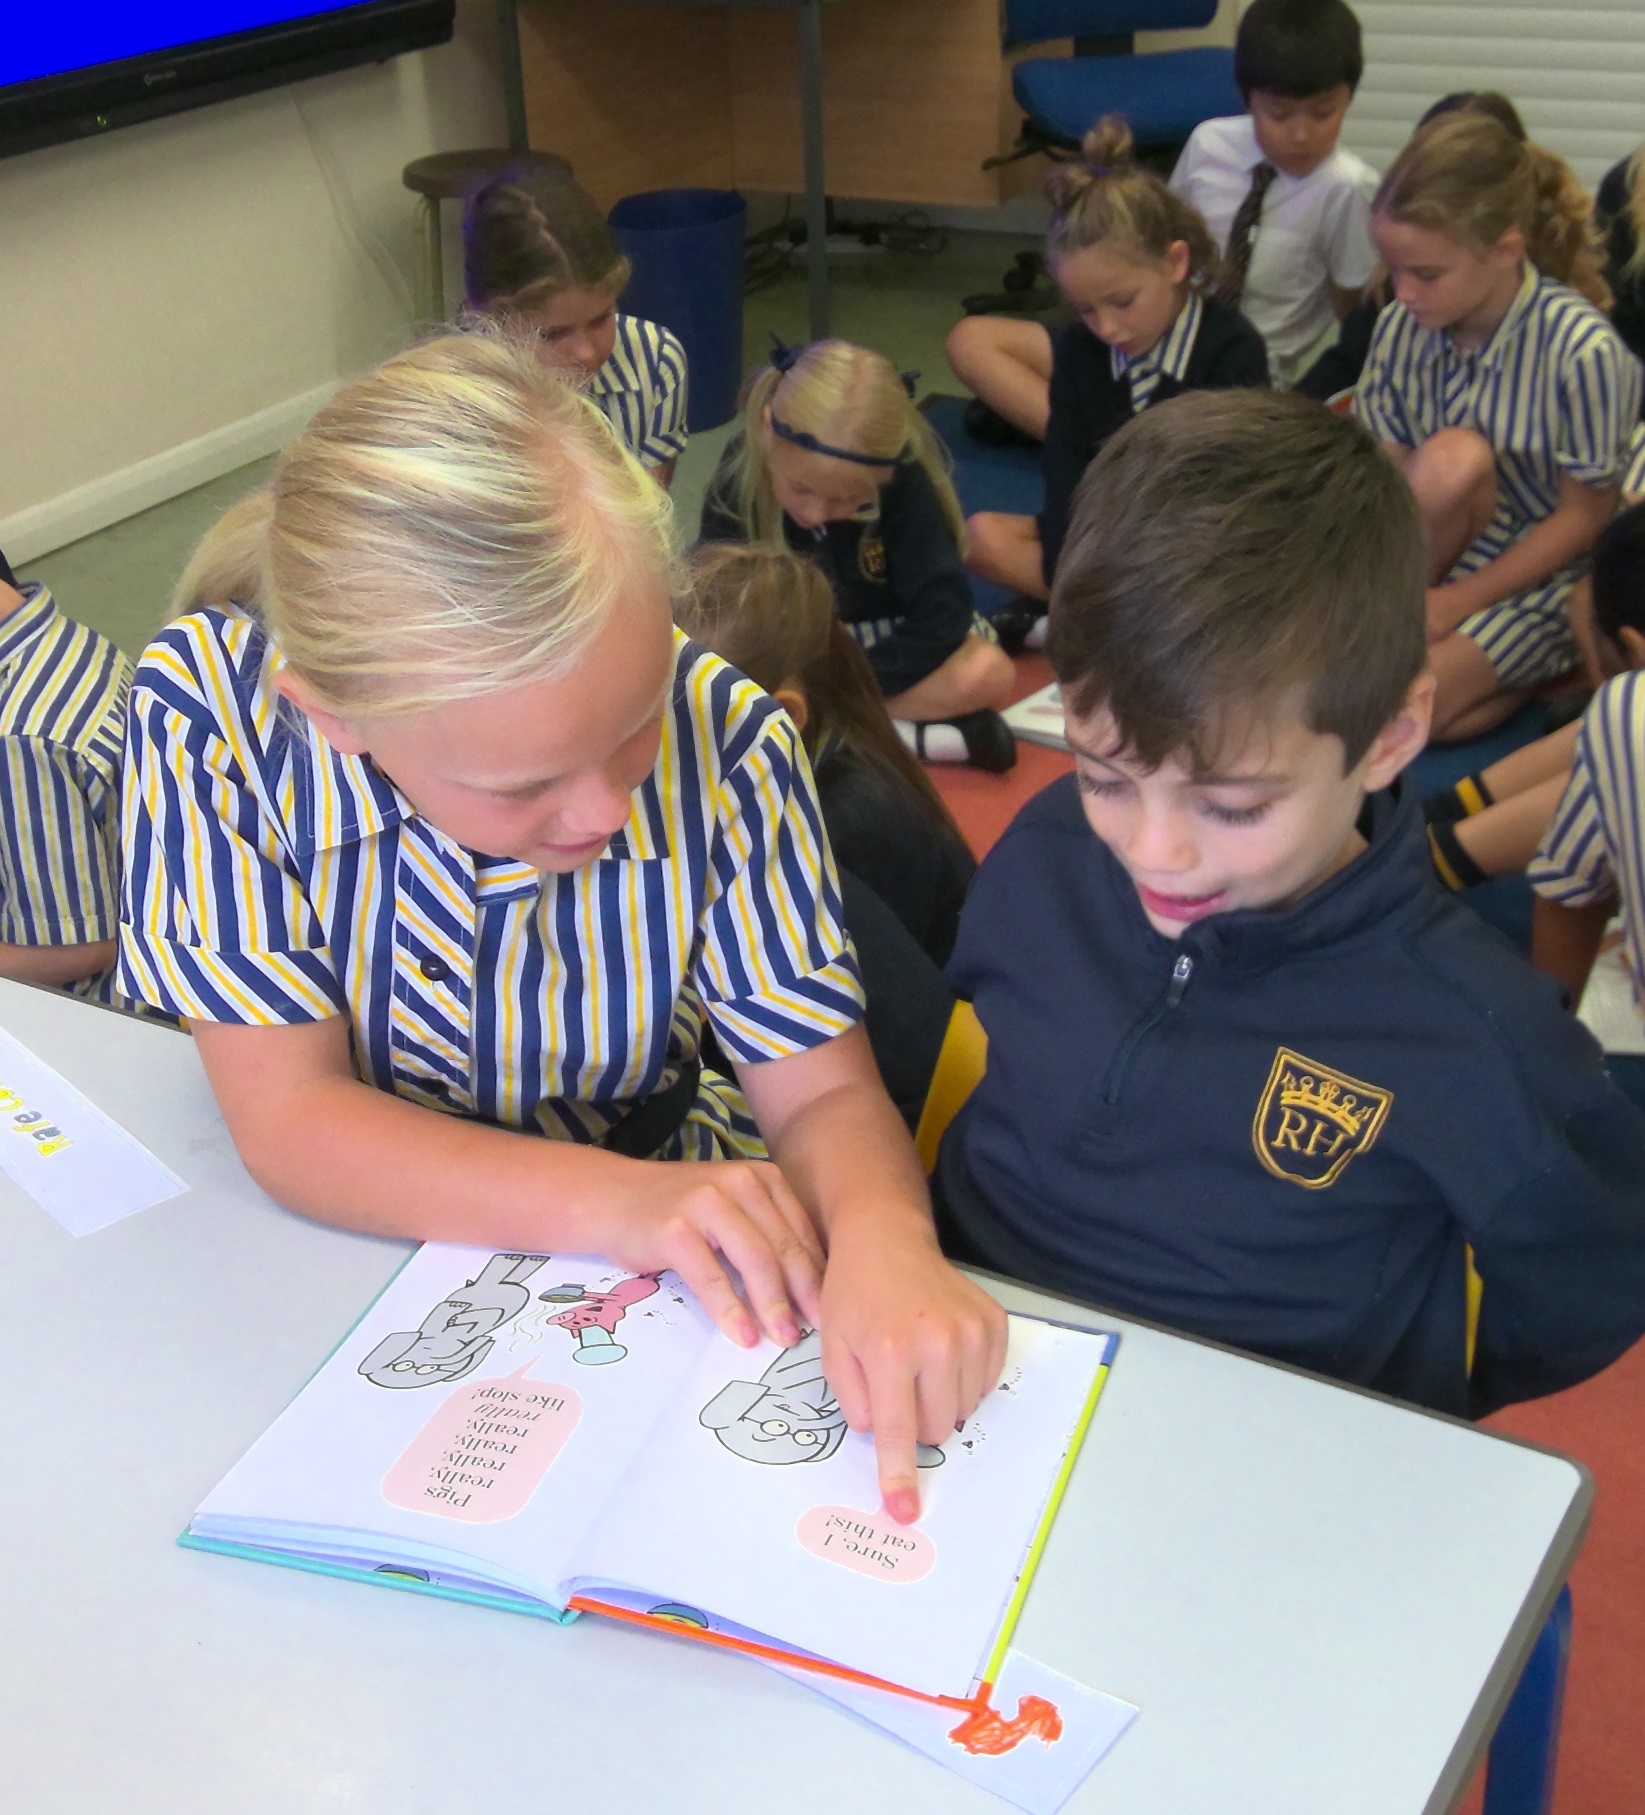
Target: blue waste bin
687	249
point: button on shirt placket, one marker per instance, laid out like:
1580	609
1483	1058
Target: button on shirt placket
432	1020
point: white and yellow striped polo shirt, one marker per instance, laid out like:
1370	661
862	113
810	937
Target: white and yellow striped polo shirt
271	879
62	721
641	391
1594	847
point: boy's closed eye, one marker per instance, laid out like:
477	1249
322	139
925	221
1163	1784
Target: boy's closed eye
1109	786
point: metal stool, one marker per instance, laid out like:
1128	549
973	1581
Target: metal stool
448	176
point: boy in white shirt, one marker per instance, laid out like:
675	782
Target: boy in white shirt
1289	208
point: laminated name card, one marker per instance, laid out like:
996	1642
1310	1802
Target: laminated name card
548	1434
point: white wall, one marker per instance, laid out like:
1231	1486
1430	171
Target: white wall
177	297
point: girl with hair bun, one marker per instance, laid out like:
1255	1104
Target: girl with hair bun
1505	396
448	846
836	463
1136	263
538	254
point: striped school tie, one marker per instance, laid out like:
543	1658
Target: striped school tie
1236	261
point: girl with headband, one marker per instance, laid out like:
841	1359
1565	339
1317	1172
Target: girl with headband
836	463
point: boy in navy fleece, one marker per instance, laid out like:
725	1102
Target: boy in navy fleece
1251	1072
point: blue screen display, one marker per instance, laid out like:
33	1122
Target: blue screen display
54	39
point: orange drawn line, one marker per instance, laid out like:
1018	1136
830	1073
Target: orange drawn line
987	1733
771	1653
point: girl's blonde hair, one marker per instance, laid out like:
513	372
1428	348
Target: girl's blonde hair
530	234
771	613
1104	196
845	397
458	522
1466	176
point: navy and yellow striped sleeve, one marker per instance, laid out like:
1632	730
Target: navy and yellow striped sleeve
665	431
1379	397
1599	407
1577	862
776	972
214	922
59	882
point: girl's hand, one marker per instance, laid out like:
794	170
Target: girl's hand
910	1346
707	1217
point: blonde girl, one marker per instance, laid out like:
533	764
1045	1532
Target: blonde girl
1505	396
836	463
537	254
448	849
1134	261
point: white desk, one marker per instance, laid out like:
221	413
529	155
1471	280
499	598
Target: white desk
1320	1602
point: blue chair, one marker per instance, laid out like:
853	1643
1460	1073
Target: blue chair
1519	1777
1163	94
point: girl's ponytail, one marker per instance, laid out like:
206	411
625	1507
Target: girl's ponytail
1562	240
229	560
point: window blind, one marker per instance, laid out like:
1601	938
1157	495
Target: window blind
1574	68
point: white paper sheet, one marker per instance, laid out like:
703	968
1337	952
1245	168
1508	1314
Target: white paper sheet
786	1535
1610	1009
1044	1762
78	1165
1039	718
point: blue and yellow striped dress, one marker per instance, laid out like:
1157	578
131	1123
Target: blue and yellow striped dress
62	721
270	879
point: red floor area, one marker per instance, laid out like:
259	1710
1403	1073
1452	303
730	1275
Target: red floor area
1601	1423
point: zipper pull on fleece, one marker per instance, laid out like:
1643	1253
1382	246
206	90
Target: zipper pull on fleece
1181	971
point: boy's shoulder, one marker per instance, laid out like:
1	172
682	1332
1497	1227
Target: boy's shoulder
1230	140
1346	170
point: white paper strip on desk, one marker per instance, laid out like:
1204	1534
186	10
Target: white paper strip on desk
78	1165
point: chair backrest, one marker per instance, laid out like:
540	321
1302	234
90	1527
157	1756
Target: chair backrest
1033	21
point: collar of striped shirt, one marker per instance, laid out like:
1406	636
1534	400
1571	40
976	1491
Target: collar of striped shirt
626	365
1495	350
1168	356
26	623
341	800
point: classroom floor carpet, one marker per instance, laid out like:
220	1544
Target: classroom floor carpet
119	581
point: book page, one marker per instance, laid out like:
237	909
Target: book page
1610	1004
1039	719
472	1423
753	1502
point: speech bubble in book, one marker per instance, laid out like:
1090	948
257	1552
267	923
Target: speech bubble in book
484	1452
870	1543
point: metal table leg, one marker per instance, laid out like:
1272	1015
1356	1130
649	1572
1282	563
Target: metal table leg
816	191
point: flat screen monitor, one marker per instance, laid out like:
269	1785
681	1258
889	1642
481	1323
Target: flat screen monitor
70	71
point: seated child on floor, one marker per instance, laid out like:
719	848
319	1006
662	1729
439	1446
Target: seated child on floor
63	695
835	462
1495	822
1287	206
1251	1072
537	254
770	613
1506	398
1135	262
1592	855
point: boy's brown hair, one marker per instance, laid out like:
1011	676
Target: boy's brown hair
1229	551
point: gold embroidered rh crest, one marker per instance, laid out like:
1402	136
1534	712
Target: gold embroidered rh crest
1313	1120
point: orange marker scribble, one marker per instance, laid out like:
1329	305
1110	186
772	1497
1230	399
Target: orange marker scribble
988	1733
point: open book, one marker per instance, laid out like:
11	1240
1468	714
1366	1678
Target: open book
547	1434
1038	718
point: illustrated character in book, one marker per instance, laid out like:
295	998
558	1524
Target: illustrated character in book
457	1335
788	1415
592	1317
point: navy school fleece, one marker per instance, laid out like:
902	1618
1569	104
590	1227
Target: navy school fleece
1279	1131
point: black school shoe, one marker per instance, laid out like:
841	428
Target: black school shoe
988	741
1014	619
990	428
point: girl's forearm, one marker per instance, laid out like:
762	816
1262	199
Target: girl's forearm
348	1154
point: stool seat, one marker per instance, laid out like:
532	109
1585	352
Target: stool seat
447	176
